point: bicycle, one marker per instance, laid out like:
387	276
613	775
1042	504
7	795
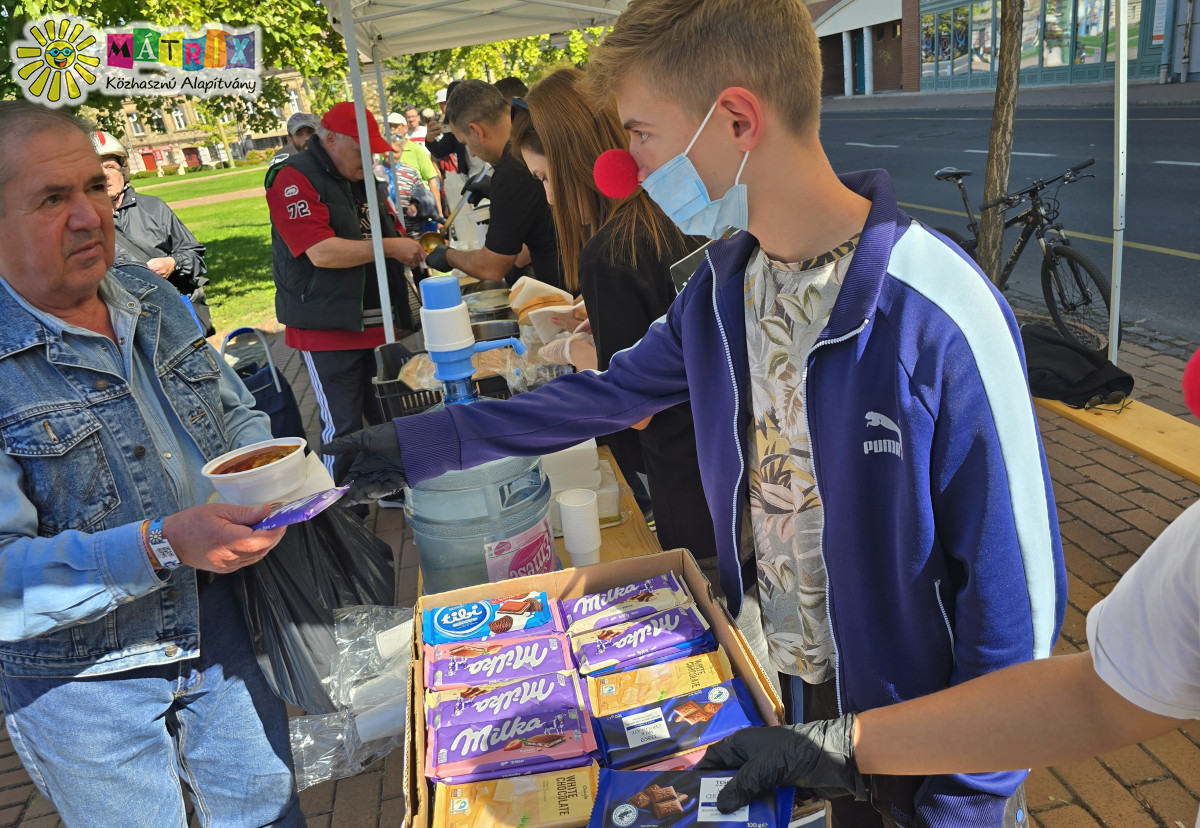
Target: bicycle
1075	290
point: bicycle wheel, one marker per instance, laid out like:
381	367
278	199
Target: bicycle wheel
968	245
1077	296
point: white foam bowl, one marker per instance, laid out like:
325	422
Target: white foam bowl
271	483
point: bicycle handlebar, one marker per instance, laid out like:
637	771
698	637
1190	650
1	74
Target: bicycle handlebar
1016	196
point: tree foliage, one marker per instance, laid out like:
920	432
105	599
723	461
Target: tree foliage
296	34
416	78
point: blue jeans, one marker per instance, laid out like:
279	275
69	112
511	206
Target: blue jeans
111	750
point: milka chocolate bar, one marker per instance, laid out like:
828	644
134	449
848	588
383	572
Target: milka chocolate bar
526	696
465	665
614	692
500	745
516	616
648	734
679	799
670	634
623	603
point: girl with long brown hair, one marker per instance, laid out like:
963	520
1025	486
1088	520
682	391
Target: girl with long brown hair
618	253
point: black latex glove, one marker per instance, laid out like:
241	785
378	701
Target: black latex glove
818	756
378	469
436	259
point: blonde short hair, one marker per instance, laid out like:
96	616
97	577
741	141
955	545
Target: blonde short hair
688	51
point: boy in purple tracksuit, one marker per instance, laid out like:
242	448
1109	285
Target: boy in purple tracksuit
868	449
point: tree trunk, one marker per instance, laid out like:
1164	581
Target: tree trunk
999	160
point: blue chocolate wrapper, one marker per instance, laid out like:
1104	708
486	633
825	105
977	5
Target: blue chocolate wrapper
646	734
679	799
301	510
517	616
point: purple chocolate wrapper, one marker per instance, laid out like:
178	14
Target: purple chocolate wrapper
470	664
301	510
520	698
507	773
461	749
706	643
620	604
631	642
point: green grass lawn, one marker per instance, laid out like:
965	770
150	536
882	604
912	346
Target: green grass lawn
238	237
181	188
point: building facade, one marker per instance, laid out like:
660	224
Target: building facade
929	45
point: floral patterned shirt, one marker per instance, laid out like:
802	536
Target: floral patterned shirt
787	308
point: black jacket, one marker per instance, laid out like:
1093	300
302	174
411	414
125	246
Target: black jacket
622	302
321	298
151	226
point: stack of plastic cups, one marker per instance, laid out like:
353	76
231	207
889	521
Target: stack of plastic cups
580	525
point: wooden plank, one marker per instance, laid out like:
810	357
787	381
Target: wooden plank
627	540
1169	441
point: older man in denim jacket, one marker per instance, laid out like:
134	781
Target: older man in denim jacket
125	666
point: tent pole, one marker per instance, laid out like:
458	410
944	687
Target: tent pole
1121	131
364	146
387	125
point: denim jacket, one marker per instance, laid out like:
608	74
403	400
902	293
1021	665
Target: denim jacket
78	596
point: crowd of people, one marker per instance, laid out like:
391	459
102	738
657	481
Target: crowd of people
828	416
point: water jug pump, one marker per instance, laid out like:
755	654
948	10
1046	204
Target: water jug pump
491	522
449	341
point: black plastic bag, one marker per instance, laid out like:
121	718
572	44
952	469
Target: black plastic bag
323	564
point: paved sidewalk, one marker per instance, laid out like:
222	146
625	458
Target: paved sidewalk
1110	505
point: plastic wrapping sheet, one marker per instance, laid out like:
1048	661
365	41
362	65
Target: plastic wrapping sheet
369	684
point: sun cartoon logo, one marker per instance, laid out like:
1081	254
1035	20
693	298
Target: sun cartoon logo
53	66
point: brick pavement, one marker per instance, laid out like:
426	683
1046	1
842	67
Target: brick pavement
1110	505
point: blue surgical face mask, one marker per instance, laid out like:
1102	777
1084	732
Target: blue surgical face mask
677	188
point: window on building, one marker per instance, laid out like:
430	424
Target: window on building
982	52
945	47
226	118
895	31
961	33
1031	34
1089	31
928	46
178	116
1056	34
294	100
135	124
277	112
1135	20
156	121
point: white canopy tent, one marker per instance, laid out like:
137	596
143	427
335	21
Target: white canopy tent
391	28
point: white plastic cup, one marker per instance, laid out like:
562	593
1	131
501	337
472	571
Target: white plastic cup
580	521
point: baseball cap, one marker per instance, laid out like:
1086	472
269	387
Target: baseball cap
340	119
441	96
396	119
299	120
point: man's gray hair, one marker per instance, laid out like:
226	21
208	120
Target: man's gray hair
475	102
19	119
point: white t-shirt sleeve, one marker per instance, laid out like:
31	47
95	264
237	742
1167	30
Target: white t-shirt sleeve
1145	636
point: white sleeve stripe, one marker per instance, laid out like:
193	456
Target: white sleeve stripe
925	264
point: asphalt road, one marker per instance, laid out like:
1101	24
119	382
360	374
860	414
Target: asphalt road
1160	286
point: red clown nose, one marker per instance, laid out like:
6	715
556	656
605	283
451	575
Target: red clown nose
616	173
1191	383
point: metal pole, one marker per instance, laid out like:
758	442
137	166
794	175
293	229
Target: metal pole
1121	129
364	146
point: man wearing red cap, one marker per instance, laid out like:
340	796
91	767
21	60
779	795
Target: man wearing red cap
326	288
1140	678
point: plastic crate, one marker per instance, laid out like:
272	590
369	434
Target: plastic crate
398	400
